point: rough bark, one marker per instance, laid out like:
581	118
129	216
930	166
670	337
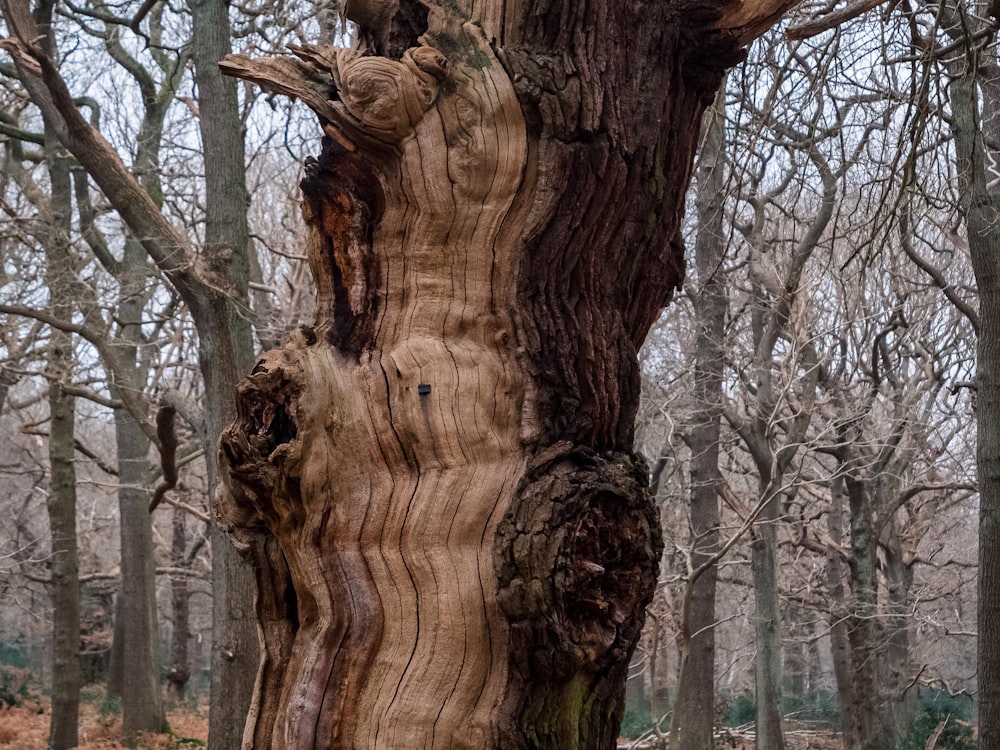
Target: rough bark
453	540
136	616
693	719
61	502
975	103
987	263
64	566
180	661
862	629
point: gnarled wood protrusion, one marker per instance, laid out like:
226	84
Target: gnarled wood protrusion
576	562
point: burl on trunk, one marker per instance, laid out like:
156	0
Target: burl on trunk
435	481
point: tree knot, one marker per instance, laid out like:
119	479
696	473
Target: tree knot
577	560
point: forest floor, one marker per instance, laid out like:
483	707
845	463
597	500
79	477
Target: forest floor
742	738
27	727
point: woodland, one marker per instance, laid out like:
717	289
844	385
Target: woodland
476	374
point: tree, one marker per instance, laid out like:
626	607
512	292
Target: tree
64	570
692	726
452	537
973	97
66	674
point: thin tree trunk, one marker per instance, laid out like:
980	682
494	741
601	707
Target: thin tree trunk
862	632
767	623
142	706
987	263
981	207
116	660
180	661
795	659
840	647
136	624
693	719
64	567
225	355
897	670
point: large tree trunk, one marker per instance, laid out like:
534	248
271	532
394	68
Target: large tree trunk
693	720
453	538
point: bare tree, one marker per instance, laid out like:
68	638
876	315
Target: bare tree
692	726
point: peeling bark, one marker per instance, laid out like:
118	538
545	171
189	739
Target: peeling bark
453	540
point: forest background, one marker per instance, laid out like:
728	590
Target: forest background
827	328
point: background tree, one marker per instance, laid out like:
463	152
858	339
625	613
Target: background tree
691	727
212	283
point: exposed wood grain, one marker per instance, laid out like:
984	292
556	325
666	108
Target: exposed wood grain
444	456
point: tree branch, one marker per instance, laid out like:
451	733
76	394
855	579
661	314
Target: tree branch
168	248
815	26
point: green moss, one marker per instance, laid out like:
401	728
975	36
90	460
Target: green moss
558	724
461	50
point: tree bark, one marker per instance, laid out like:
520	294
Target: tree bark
980	205
136	663
767	621
862	630
136	620
694	716
897	672
225	355
444	459
840	647
453	539
64	566
180	660
142	705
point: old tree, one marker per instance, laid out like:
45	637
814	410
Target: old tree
435	482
